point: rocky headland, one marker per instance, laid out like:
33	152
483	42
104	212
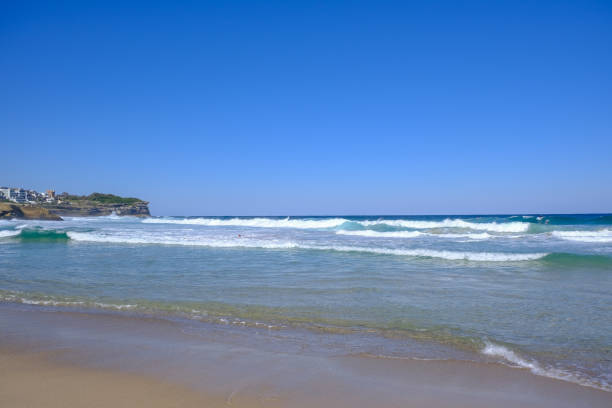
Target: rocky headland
26	212
97	204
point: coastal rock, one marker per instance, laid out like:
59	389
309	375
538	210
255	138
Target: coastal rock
26	212
86	208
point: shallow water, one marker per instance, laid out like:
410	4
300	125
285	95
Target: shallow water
531	291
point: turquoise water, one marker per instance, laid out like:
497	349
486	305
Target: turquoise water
529	291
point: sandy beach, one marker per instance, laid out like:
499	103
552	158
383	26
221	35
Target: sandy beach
35	380
75	359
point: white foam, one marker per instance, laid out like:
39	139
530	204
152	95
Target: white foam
480	236
246	242
8	233
387	234
431	253
180	240
52	302
252	222
454	223
49	302
113	306
495	350
262	222
412	234
103	218
585	236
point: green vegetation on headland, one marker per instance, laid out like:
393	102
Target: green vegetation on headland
97	204
30	204
103	198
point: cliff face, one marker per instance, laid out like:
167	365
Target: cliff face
86	208
26	212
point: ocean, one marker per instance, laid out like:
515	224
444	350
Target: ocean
528	291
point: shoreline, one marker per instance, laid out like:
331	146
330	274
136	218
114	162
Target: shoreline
328	340
133	355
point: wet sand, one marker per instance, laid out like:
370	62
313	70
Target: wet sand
36	380
73	359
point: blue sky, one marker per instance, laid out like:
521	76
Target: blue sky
215	108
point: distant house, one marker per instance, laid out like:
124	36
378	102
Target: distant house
19	195
23	196
13	194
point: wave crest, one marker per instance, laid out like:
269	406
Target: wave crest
246	242
449	255
252	222
514	226
324	223
387	234
412	234
179	240
9	233
585	236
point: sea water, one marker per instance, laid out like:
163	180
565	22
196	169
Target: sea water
531	291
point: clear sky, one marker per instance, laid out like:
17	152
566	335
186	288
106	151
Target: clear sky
230	107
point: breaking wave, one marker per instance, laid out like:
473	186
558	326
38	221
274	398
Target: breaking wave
325	223
514	226
412	234
585	236
8	233
34	234
569	219
387	234
179	240
252	222
135	237
278	244
509	356
432	253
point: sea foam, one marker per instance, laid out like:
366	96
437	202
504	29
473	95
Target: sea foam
245	242
324	223
412	234
432	253
387	234
9	233
252	222
180	240
453	223
496	350
585	236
